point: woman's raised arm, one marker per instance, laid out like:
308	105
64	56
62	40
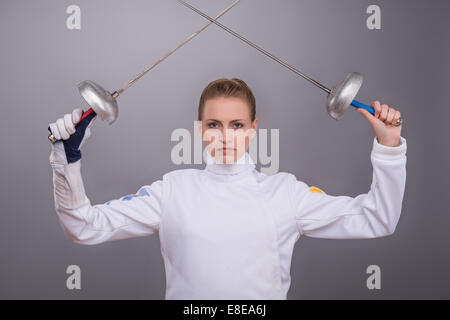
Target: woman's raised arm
134	215
368	215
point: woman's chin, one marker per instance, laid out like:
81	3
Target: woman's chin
227	157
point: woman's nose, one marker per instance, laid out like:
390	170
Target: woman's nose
227	136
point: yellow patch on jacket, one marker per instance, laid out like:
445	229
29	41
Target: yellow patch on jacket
315	189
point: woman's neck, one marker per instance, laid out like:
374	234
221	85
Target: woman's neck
244	163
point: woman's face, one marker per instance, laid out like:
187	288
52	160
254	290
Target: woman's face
227	128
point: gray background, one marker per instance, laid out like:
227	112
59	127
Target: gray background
404	65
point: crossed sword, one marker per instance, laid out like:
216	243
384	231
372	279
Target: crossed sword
104	103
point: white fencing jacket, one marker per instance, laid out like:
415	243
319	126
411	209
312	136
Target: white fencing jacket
227	231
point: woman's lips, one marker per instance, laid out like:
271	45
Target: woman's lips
226	149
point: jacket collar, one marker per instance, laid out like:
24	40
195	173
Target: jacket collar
243	164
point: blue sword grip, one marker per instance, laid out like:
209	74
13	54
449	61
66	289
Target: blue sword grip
358	104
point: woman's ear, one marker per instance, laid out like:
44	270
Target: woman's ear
254	128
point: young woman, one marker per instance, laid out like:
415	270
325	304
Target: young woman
227	231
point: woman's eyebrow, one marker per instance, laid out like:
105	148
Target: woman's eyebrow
230	121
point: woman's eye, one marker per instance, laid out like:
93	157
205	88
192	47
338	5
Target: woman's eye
236	125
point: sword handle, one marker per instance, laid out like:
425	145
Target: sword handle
358	104
53	139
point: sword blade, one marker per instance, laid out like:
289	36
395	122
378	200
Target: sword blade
321	86
116	93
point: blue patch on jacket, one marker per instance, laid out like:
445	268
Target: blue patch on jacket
141	193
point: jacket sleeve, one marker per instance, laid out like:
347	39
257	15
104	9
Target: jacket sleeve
368	215
134	215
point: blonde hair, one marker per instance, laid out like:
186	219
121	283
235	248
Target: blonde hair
228	88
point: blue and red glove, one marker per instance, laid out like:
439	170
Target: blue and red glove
73	137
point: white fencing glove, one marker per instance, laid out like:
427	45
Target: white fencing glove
72	137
